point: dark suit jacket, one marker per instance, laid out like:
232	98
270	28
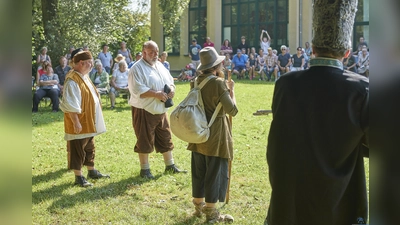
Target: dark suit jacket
314	153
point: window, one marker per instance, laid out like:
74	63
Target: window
248	17
198	21
361	24
172	41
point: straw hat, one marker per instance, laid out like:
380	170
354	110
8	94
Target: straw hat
209	58
333	23
119	58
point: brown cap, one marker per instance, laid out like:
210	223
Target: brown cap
333	23
82	55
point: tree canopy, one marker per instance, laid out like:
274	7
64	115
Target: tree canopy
59	24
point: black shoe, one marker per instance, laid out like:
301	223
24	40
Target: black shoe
146	174
112	107
81	181
95	174
173	169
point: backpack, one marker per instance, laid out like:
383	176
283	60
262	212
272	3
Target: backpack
188	120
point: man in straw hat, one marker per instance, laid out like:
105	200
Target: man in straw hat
318	134
83	118
210	159
147	80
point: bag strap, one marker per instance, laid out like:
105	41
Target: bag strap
215	114
204	82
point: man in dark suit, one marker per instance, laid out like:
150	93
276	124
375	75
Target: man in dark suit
319	132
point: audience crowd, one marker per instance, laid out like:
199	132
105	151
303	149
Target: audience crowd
266	64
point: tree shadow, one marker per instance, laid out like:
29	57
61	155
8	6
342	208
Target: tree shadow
48	176
90	194
191	221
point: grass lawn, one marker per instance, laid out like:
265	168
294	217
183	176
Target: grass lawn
128	199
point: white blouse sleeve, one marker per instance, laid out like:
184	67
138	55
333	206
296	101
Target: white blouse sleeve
71	101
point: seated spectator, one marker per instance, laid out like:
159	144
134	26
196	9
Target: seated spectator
208	43
261	64
239	64
284	61
226	47
187	73
253	50
61	71
94	68
298	60
271	65
119	82
252	66
48	87
117	60
100	79
41	71
68	55
163	60
43	57
363	63
349	63
137	58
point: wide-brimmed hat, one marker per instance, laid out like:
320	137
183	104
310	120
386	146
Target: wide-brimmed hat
209	58
119	58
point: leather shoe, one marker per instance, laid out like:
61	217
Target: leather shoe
81	181
146	174
95	174
173	169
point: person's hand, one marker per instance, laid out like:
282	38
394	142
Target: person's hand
230	84
162	96
171	94
77	127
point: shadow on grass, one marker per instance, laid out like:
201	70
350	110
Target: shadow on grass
190	220
48	176
91	194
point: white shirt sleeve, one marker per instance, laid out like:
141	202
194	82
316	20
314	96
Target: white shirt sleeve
71	101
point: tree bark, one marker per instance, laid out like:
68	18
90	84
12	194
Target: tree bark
49	14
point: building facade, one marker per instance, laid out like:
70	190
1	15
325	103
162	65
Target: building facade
287	22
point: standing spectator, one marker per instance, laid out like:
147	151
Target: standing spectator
252	66
363	62
100	79
125	52
208	43
146	82
265	42
226	47
83	118
68	55
284	61
239	64
261	64
61	71
298	60
316	142
308	50
119	82
106	58
43	56
271	65
306	58
243	44
349	63
210	159
138	56
163	60
48	87
85	48
116	61
194	50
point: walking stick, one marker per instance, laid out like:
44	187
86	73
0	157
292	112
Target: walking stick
230	160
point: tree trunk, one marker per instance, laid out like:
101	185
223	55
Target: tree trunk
49	14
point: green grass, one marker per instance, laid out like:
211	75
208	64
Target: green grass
128	199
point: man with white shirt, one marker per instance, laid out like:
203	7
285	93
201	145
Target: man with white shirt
80	96
146	81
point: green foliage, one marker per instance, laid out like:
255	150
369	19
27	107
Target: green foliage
171	11
91	23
